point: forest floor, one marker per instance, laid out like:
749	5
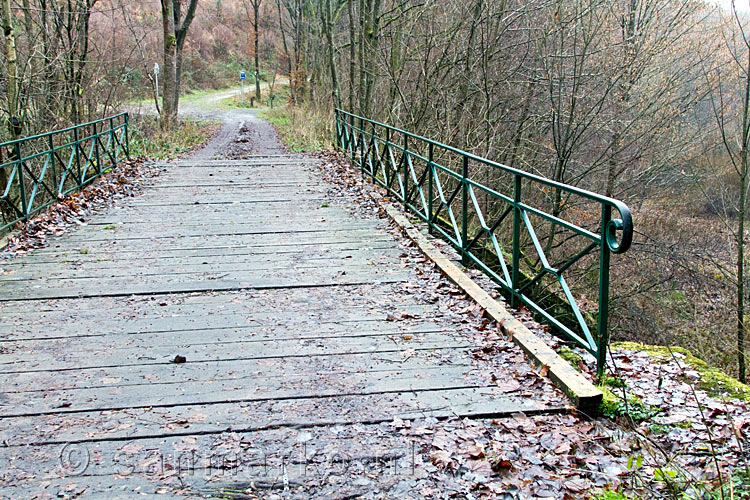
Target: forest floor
668	436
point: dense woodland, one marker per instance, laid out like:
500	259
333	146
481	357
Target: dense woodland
641	100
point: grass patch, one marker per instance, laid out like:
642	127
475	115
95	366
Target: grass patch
146	139
302	128
712	380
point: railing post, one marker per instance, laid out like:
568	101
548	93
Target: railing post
96	150
77	156
53	163
338	134
387	155
373	149
405	173
362	146
127	135
352	137
603	320
430	153
112	141
464	209
516	272
21	182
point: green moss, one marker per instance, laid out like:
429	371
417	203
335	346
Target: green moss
83	251
712	380
570	356
613	406
610	403
608	381
612	495
110	227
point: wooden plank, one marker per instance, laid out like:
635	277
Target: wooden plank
285	300
149	423
83	252
151	317
36	276
133	351
257	388
116	288
113	377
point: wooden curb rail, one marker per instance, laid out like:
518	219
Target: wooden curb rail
583	393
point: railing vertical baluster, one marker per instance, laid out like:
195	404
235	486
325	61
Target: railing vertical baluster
21	182
352	137
387	155
77	157
602	326
338	133
113	142
464	209
516	272
127	136
362	146
96	151
430	154
373	152
405	173
53	163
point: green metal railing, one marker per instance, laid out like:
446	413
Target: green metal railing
36	171
489	211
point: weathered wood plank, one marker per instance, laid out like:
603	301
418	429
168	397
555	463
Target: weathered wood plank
148	423
133	352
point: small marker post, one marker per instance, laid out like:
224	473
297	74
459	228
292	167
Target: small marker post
242	81
156	76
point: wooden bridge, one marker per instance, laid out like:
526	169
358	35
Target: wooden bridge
225	331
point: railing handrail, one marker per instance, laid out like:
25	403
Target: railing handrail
415	188
63	130
625	214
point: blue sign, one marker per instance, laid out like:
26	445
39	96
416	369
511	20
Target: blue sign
242	75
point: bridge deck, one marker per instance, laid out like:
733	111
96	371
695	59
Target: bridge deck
303	327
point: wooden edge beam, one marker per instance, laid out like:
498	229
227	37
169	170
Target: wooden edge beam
5	239
580	390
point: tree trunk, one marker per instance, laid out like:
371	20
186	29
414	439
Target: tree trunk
168	111
352	54
327	22
11	63
256	8
741	270
181	27
745	144
11	66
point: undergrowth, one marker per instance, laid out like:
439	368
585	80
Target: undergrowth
302	128
146	139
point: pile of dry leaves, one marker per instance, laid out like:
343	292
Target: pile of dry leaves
126	179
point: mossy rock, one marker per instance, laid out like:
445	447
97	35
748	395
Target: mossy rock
712	380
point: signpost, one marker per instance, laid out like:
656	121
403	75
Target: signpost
156	75
242	79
